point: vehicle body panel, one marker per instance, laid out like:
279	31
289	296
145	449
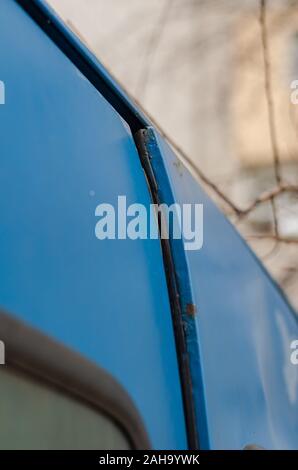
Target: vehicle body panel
240	333
64	150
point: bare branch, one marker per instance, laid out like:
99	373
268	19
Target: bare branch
270	195
269	91
275	219
280	239
152	47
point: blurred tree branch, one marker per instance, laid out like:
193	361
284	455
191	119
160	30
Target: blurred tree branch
153	44
269	90
281	187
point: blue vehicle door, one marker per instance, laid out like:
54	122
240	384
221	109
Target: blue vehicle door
63	151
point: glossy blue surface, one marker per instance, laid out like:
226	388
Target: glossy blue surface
64	150
239	341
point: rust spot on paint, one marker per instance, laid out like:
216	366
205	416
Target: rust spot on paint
191	310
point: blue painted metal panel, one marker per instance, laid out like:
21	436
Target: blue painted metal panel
246	388
107	299
87	62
